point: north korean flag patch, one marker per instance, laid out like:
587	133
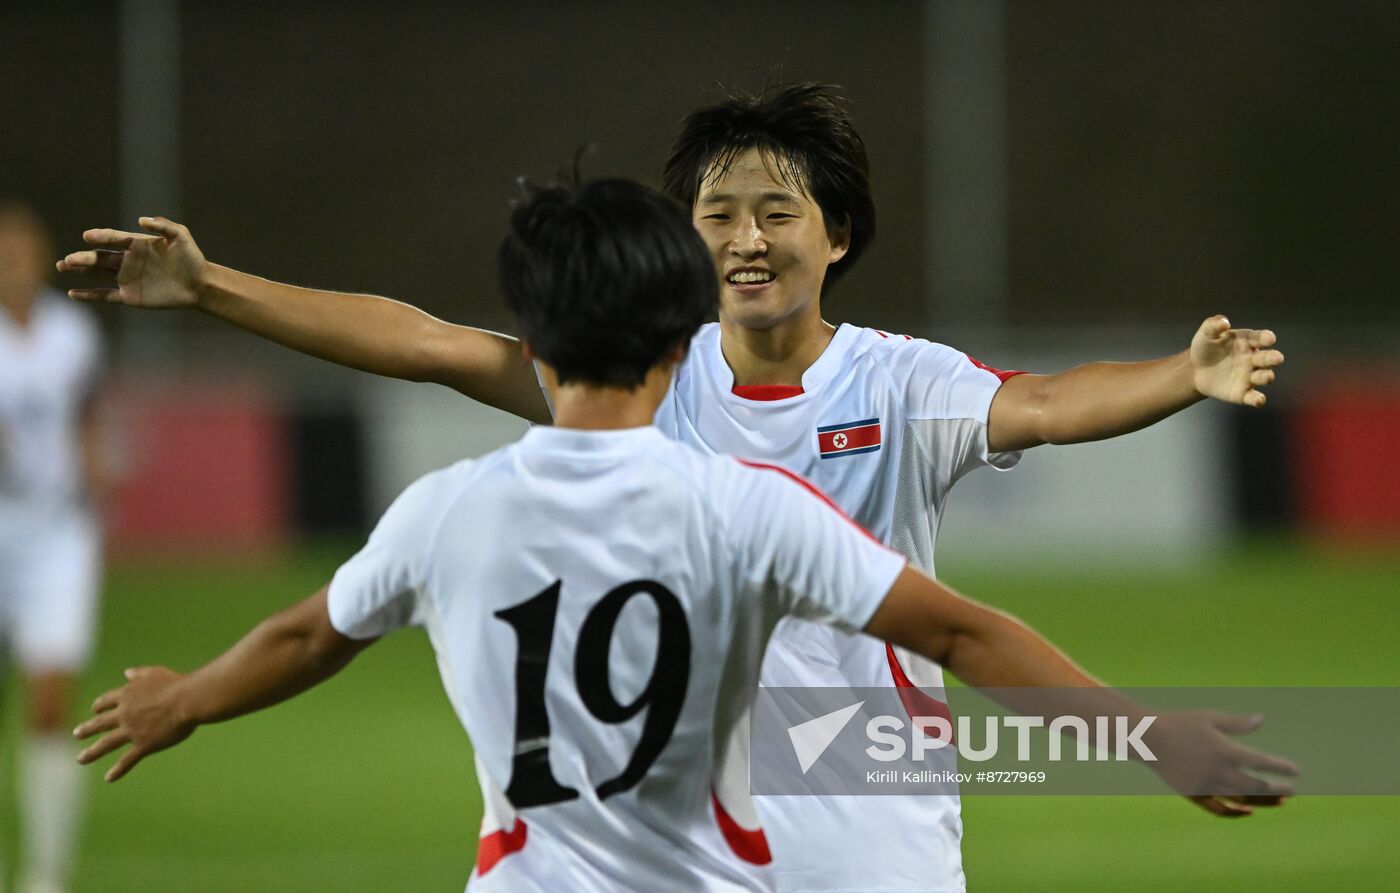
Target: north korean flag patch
849	438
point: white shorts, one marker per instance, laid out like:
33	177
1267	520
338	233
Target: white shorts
50	567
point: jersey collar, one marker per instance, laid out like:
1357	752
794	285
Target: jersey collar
818	374
600	443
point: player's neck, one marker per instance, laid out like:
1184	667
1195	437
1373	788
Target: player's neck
777	355
592	407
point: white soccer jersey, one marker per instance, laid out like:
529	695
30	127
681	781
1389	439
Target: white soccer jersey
50	548
47	372
885	425
599	603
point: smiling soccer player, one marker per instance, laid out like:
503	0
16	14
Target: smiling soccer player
779	189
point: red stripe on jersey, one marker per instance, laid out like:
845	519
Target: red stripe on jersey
497	845
848	439
997	372
916	703
766	391
751	846
815	491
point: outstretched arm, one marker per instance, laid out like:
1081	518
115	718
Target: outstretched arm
1102	400
991	650
164	268
158	708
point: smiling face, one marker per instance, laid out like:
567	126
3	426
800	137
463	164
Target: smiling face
769	242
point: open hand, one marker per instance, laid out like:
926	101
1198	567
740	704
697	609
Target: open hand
158	269
1232	364
144	713
1198	757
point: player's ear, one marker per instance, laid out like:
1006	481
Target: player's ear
840	239
527	351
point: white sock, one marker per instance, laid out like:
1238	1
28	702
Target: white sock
51	787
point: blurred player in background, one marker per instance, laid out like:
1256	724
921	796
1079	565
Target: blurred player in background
599	556
50	545
886	424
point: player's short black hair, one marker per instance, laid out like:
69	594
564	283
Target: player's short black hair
605	278
804	133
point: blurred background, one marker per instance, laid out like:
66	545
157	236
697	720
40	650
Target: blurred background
1057	182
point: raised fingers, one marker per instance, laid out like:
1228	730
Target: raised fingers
1261	337
105	701
1260	377
1216	327
111	238
92	262
160	225
102	723
125	764
105	745
1250	758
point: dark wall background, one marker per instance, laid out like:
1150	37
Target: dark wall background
1166	159
375	146
1170	160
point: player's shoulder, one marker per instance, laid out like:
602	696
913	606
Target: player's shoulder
706	474
438	489
922	369
754	494
898	351
721	483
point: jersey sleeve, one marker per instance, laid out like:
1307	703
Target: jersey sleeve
949	400
377	590
799	548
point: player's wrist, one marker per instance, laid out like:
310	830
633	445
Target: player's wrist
1194	378
207	284
185	704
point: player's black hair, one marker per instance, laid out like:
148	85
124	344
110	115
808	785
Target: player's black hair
804	134
605	278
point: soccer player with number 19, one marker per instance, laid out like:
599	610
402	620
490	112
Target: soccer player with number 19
886	424
599	595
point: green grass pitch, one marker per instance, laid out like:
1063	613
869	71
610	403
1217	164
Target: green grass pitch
366	783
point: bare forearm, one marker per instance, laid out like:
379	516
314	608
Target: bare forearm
982	646
378	335
1015	666
1103	400
280	658
1095	401
999	651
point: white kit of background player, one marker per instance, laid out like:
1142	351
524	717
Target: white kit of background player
50	550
